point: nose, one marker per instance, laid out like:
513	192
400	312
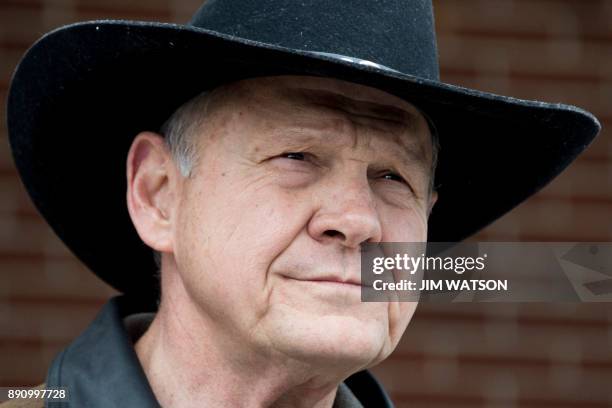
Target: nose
347	214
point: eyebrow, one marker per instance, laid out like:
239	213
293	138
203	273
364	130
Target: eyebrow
415	151
333	100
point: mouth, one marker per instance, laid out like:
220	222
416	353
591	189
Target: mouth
331	280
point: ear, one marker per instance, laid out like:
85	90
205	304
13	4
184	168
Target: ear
151	184
433	197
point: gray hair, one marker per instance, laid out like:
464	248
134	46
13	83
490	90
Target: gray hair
181	129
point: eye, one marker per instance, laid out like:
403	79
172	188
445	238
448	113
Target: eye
294	156
394	177
397	178
296	161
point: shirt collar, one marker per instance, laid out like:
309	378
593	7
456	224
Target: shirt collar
101	369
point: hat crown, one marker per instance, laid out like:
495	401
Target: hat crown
399	34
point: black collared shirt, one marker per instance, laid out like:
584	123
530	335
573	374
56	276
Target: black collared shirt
100	368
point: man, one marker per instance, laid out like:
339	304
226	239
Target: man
298	138
263	290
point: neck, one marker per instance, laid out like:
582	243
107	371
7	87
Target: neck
190	362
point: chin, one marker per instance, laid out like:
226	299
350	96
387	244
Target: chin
334	341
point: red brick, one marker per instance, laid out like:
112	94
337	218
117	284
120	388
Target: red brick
573	59
545	220
28	365
510	382
553	18
504	341
46	321
578	181
29	236
50	279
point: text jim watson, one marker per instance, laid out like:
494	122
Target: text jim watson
442	284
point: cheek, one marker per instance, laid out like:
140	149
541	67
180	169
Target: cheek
404	225
227	240
400	314
398	317
240	228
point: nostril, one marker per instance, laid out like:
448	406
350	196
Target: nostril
334	233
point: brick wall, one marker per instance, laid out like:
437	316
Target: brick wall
555	355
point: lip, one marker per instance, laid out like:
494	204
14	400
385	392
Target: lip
329	280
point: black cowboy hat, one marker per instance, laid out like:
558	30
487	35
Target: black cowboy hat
83	91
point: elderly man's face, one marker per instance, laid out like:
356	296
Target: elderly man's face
294	174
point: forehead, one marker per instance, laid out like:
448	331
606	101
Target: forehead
319	104
327	92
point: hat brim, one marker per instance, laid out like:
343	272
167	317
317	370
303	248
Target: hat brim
82	93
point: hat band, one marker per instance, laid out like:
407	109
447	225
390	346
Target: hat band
354	60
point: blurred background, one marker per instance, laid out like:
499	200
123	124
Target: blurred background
470	355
